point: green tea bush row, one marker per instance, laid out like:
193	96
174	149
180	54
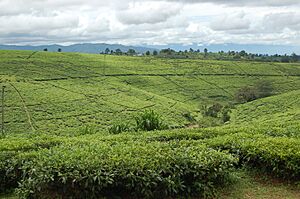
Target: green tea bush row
276	155
125	169
11	160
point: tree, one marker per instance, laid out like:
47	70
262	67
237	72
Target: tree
167	51
294	57
155	53
264	88
205	52
246	94
131	52
243	53
148	53
118	51
107	50
213	110
45	49
59	50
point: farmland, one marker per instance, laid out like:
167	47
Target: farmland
59	107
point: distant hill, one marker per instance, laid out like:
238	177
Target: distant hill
82	48
250	48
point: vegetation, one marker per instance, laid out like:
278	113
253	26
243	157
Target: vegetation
149	121
230	55
76	125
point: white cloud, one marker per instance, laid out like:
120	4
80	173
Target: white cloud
148	12
150	21
228	22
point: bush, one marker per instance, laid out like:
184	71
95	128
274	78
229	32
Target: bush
249	93
264	88
276	155
149	121
213	110
215	115
119	128
246	94
126	169
11	157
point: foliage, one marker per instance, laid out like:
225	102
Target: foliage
246	94
64	92
119	128
128	169
11	158
249	93
215	115
264	88
149	121
213	111
280	156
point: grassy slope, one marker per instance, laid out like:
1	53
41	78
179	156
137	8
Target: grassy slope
63	91
280	110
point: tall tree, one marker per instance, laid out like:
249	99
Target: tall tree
107	50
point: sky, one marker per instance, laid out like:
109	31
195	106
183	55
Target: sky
155	22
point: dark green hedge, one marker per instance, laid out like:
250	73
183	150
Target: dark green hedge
131	168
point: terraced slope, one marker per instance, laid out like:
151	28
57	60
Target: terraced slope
62	92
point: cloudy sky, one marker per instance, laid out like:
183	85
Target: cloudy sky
150	22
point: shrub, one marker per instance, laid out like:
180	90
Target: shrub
88	129
12	157
189	116
149	121
215	115
264	88
126	169
276	155
246	94
213	110
249	93
119	128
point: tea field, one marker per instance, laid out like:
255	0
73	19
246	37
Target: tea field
61	92
58	108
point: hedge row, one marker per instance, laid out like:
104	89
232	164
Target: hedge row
275	155
11	150
130	168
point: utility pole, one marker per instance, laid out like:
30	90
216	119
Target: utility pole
2	110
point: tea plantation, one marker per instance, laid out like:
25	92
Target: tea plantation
59	107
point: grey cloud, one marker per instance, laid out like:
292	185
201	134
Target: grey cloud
279	21
143	13
244	2
231	22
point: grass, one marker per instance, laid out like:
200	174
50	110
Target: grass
252	185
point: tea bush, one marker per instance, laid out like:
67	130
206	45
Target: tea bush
130	168
276	155
11	159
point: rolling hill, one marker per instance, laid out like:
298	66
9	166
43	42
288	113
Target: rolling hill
61	92
58	106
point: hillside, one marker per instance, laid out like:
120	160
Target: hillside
58	106
281	109
60	92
